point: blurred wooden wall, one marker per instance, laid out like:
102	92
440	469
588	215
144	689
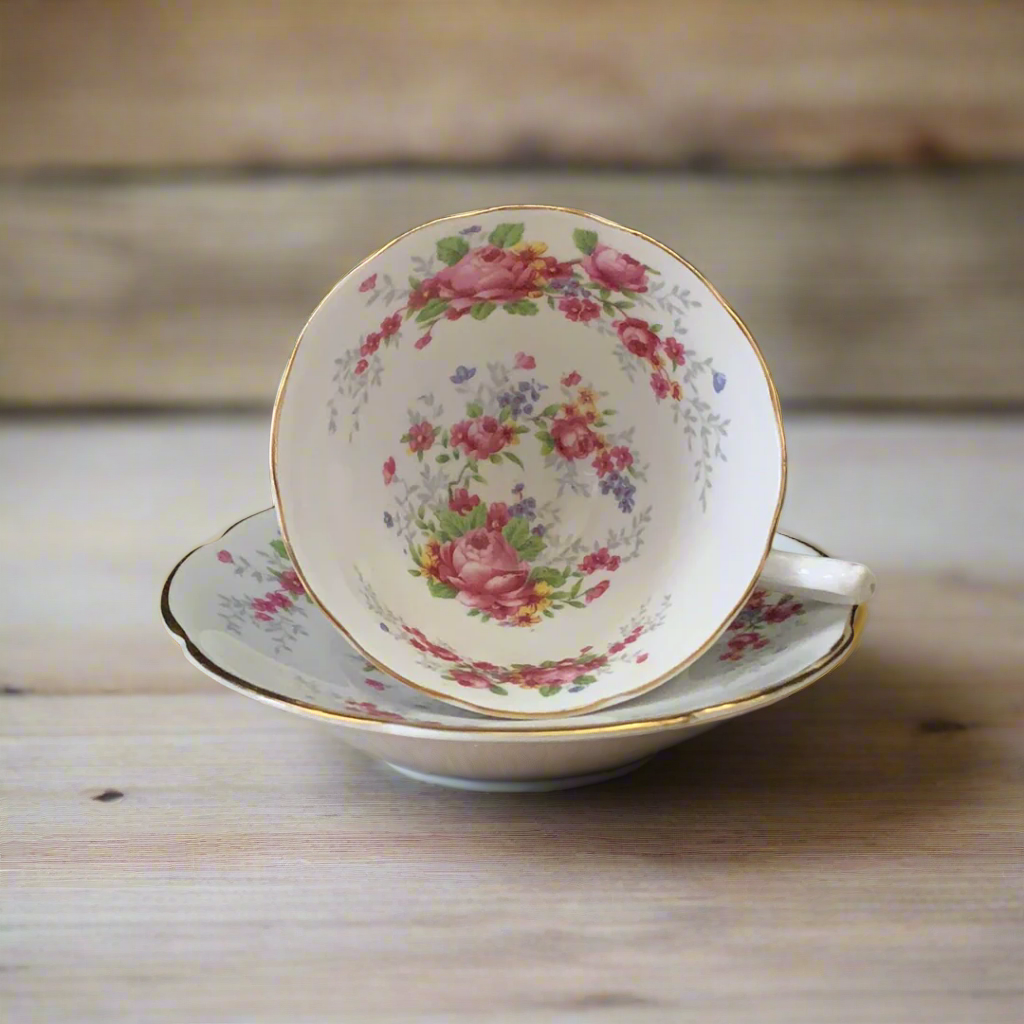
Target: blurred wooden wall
181	182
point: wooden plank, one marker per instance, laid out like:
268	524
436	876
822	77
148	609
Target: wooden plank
96	83
884	288
254	869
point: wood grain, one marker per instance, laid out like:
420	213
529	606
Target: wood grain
174	852
864	289
789	82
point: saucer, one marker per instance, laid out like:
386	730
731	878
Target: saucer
238	609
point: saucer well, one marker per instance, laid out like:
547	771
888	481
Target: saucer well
238	609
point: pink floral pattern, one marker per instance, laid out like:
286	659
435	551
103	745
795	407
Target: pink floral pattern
748	631
492	556
597	286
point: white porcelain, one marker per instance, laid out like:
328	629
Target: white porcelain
511	439
239	611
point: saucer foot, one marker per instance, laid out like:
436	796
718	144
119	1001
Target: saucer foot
520	785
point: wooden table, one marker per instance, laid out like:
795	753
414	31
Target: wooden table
173	852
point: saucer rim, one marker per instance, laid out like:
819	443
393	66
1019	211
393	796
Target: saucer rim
612	699
828	662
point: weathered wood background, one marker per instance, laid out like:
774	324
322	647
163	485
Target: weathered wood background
180	183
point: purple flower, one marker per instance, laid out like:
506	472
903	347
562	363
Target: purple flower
718	381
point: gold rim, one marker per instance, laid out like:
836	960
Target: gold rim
828	662
605	702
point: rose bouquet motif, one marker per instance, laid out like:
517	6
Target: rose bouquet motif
597	286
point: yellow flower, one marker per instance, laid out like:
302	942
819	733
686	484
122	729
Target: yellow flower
429	556
530	250
587	396
540	588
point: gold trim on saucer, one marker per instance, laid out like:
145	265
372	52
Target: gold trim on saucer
607	701
828	662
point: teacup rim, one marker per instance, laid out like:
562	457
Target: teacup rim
828	662
605	701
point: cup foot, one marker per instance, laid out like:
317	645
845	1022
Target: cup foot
520	785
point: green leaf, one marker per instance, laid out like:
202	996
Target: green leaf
505	414
517	531
551	302
624	305
444	458
496	459
609	309
545	574
451	249
455	454
482	310
477	516
547	448
655	328
548	614
419	455
444	437
474	409
440	589
505	235
434	308
576	588
550	410
409	312
582	680
421	511
485	618
531	548
586	241
414	282
549	691
473	465
475	611
500	690
422	524
452	523
278	546
524	307
605	293
479	479
628	293
577	604
607	412
414	572
544	437
515	459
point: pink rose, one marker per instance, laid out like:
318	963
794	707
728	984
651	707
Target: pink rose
421	436
659	385
486	571
561	674
641	658
483	437
615	270
638	337
424	341
675	351
389	471
461	501
525	362
369	283
374	684
579	310
289	579
573	437
497	515
623	457
390	324
485	274
224	556
361	367
595	592
371	344
571	379
464	677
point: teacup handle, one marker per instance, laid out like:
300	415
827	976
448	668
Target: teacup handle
821	579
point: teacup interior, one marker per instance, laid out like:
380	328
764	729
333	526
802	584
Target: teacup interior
527	453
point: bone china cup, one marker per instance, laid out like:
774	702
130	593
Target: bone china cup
530	462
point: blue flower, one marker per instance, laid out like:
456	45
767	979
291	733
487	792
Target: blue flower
518	489
538	531
388	521
717	381
385	628
471	231
462	374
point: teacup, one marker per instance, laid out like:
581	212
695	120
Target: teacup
530	462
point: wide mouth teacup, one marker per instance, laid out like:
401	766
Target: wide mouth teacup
529	461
